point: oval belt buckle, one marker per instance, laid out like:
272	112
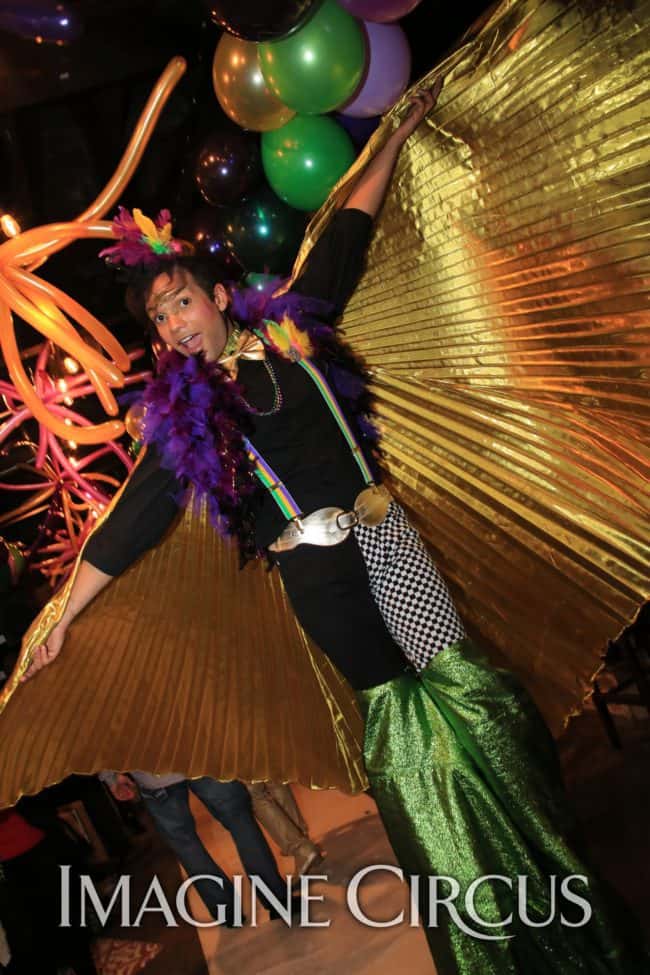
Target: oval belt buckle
323	528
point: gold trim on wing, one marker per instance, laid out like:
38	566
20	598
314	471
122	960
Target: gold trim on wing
49	616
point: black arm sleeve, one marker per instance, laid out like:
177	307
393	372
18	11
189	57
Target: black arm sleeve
336	261
138	521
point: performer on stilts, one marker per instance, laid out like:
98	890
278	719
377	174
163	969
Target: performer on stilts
260	409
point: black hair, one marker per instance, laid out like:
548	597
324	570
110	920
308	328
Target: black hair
205	269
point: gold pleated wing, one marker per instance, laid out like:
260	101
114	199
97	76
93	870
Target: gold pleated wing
504	318
504	315
183	663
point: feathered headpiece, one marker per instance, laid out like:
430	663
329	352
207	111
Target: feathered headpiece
142	240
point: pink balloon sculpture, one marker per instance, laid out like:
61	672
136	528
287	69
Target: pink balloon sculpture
62	486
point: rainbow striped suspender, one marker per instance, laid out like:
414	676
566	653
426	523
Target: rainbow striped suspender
279	492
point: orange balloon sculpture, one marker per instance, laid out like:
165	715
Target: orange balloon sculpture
50	311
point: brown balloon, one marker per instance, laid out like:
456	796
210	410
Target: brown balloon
241	89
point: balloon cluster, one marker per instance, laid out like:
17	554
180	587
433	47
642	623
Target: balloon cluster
280	69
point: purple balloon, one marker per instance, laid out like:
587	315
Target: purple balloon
359	129
387	74
379	11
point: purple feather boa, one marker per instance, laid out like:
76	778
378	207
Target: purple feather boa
197	418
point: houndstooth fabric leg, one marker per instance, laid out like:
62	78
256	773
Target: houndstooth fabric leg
411	594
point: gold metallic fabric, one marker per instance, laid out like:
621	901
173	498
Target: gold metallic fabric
183	663
504	316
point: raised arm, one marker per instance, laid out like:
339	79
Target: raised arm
335	263
369	192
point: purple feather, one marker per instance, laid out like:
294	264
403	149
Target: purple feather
347	384
195	417
252	305
132	247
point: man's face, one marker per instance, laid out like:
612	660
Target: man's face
186	318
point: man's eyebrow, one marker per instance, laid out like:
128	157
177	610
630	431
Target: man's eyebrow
164	296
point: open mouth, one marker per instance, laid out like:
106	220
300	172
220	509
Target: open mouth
191	343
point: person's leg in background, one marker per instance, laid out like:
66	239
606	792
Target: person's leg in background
230	804
170	811
276	809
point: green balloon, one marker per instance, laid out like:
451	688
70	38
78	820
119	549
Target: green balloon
305	158
318	67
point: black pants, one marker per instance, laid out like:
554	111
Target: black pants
329	589
30	910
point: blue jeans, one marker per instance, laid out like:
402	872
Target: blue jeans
230	804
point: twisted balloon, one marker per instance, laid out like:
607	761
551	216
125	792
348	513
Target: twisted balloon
52	312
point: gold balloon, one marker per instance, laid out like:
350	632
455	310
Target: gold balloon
133	421
241	89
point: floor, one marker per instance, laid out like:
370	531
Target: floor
610	791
